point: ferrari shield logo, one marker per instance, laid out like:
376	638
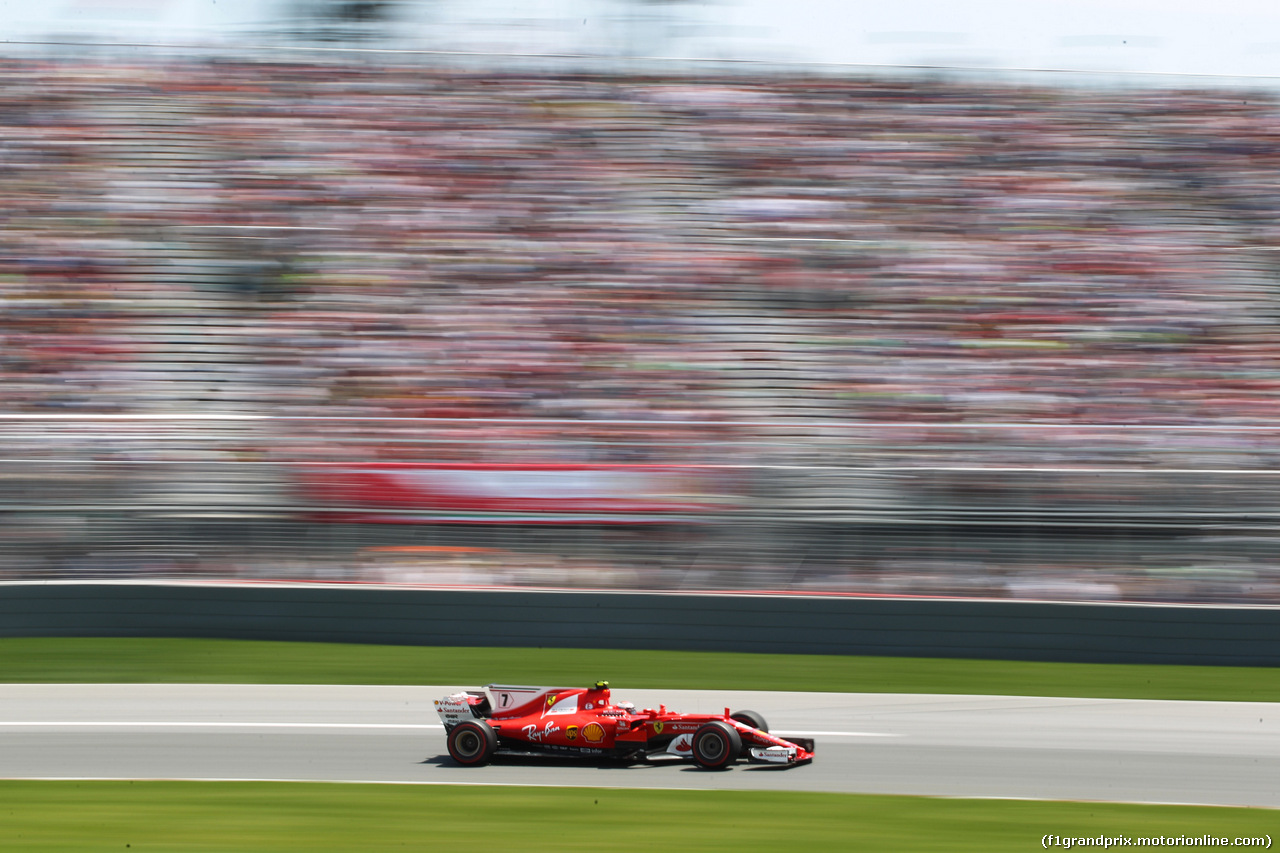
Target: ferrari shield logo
657	728
571	733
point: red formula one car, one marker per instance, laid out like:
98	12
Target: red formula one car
585	721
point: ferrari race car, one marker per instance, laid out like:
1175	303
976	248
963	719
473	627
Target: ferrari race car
585	721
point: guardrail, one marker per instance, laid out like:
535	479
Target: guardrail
829	625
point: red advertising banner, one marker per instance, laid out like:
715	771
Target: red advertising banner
417	491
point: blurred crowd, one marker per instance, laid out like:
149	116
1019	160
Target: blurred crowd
571	267
703	258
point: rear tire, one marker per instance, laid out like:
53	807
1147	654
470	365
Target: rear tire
716	745
750	718
472	743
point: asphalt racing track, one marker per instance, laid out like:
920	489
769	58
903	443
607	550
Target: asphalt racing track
1225	753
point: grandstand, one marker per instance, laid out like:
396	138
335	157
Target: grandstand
1006	316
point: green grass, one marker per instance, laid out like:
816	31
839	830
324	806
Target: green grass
53	660
245	817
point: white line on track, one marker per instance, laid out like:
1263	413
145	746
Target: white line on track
836	734
245	724
305	781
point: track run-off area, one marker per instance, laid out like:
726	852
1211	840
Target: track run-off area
1137	751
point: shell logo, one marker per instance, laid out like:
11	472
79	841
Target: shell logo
593	732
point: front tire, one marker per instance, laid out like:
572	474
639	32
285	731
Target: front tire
750	718
716	745
472	743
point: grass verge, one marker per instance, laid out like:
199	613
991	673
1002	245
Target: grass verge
80	660
247	817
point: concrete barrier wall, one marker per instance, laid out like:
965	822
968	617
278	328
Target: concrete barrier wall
750	623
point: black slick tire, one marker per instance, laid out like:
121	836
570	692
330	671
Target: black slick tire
716	745
750	718
472	743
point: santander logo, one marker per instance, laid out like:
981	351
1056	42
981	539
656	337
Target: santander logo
681	745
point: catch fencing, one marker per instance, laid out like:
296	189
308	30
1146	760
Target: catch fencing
991	510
